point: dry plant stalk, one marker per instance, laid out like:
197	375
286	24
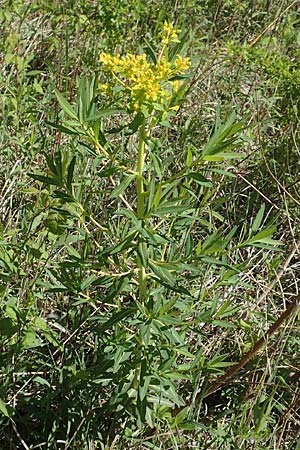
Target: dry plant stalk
219	382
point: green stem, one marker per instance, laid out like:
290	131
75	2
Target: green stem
139	173
141	207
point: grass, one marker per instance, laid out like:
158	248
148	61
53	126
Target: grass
115	326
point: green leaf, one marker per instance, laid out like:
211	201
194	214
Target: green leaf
222	155
161	401
105	113
218	362
40	323
166	391
46	180
123	245
258	219
135	124
224	137
51	337
213	244
262	411
190	426
181	77
5	409
30	339
63	129
179	46
189	158
166	277
89	149
181	416
227	309
144	386
122	354
42	381
223	172
122	186
262	236
143	253
84	98
170	320
174	210
71	173
151	52
116	318
87	282
7	327
162	273
65	105
37	221
199	179
167	306
223	324
217	262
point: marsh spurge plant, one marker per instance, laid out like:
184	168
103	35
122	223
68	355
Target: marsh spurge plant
150	252
151	88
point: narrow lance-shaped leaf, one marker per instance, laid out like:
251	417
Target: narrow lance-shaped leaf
71	173
122	186
151	52
258	219
43	179
65	105
63	129
222	139
116	318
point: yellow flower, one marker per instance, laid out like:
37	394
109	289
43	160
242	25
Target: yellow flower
182	64
104	87
163	69
144	81
169	34
176	84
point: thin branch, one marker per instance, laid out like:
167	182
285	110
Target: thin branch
219	382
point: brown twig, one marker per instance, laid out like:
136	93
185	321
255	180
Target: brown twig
219	382
230	374
272	24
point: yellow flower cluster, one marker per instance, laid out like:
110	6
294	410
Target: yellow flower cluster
145	81
169	34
